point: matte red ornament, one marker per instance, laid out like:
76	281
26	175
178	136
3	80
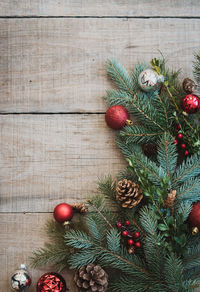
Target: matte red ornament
186	153
51	282
116	117
130	242
136	234
183	146
138	244
194	217
63	212
180	136
127	222
125	233
191	103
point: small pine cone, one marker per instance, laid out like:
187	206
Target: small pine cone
189	85
128	193
149	149
131	250
91	278
169	201
80	207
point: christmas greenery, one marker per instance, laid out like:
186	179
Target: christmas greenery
168	259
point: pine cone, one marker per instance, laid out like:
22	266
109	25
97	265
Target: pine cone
131	250
128	193
91	278
189	85
80	207
169	201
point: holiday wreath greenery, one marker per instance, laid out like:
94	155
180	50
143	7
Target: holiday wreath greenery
140	232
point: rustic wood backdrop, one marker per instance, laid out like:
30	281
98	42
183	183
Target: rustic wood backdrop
54	141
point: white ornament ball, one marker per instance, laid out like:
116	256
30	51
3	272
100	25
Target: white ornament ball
149	80
20	279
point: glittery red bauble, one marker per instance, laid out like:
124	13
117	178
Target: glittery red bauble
51	282
116	117
191	103
194	217
63	212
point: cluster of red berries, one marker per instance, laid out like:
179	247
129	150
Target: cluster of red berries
132	237
179	140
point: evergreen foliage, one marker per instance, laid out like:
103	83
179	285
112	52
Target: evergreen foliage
169	258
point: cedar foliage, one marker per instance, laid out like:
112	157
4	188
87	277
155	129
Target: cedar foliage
169	257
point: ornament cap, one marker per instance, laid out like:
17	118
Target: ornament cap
195	230
129	122
22	267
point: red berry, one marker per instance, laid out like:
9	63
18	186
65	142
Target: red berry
127	222
175	141
183	146
119	224
125	233
136	234
130	242
180	136
186	153
138	244
179	126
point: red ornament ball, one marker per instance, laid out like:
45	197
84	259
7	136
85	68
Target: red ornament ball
180	136
51	282
119	224
63	212
116	117
130	242
183	146
191	103
125	233
127	222
194	217
136	234
138	244
186	153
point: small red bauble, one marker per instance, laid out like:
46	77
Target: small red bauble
191	103
194	217
119	224
183	146
186	153
138	244
175	141
130	242
116	117
125	233
136	234
63	212
127	222
51	282
180	136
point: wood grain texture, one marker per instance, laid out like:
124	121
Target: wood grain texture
100	8
47	159
58	65
20	235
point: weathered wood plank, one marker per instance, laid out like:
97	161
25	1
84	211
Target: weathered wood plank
47	159
100	8
57	65
20	234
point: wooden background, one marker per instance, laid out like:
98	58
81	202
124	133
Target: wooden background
54	142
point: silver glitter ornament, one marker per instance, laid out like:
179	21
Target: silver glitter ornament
20	279
149	80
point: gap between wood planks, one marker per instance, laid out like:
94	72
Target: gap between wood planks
103	16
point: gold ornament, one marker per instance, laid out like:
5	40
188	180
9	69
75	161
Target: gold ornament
195	230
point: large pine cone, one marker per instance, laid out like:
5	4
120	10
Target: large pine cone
128	193
91	278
